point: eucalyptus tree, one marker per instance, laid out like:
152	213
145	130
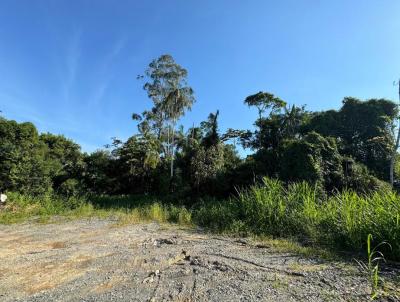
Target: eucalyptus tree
167	87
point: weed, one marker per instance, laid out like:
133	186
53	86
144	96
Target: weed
371	268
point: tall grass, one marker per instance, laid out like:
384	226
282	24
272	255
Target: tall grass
126	209
19	207
341	221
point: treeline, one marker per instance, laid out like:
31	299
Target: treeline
333	150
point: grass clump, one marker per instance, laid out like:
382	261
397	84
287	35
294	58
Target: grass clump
125	209
20	207
156	212
371	267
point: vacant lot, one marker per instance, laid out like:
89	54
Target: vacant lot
97	260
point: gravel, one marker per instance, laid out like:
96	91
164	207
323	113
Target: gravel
97	260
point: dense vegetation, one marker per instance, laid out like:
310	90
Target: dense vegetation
319	176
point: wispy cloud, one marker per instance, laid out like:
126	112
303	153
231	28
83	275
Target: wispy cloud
17	106
99	92
116	49
72	64
105	75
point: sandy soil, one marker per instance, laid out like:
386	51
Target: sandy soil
96	260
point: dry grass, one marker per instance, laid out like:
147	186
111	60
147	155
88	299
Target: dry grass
44	276
58	245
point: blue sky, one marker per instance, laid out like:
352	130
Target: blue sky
70	66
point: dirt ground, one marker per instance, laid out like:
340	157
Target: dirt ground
96	260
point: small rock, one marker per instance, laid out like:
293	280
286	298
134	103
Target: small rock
158	242
150	278
195	261
241	241
3	198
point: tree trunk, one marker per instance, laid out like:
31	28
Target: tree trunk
173	134
172	149
393	157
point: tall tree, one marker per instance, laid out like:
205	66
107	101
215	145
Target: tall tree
210	128
168	89
64	158
263	101
396	146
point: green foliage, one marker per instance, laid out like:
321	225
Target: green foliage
205	164
101	172
63	156
287	148
263	101
313	158
138	156
364	129
371	268
349	148
358	178
20	207
168	89
23	166
70	187
282	122
341	221
210	130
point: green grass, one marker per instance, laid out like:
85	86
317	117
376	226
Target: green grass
125	209
340	222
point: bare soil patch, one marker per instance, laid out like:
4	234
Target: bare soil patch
95	260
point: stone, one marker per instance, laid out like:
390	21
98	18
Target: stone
3	198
